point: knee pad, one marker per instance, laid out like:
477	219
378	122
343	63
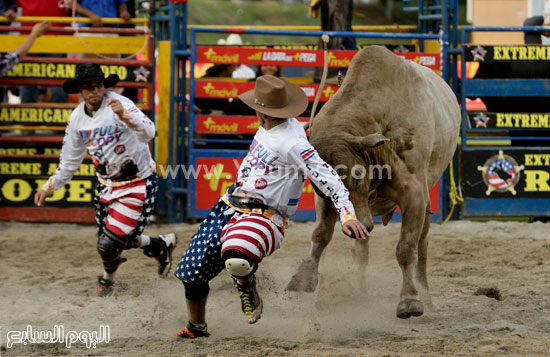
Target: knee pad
110	251
238	264
125	242
195	292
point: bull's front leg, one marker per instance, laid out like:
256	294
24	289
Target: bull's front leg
413	204
307	277
360	253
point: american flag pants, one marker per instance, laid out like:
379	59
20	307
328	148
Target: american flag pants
125	211
250	233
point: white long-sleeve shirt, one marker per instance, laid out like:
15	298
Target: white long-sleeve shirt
275	167
119	150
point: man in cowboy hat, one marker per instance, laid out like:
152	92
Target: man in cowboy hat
248	223
116	134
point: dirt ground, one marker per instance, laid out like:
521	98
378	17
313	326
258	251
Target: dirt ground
48	274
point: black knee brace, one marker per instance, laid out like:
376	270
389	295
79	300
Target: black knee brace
110	251
125	242
195	292
239	264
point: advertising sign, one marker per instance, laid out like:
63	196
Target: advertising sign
297	57
21	177
484	120
506	173
507	53
215	175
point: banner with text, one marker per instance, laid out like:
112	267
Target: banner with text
489	120
21	177
215	175
126	73
230	124
298	57
227	89
507	53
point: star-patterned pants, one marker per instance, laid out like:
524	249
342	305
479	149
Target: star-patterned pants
202	260
124	211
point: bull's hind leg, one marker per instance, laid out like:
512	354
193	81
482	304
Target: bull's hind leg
307	277
421	273
413	205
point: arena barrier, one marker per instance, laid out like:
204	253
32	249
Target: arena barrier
32	133
217	143
505	150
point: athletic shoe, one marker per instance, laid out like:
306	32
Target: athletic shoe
192	331
164	259
251	302
104	287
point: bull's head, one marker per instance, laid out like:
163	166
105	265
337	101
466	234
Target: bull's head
356	159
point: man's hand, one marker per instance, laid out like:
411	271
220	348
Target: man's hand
125	15
96	20
40	197
40	28
116	106
355	229
10	14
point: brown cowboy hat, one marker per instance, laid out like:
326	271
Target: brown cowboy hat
276	97
88	72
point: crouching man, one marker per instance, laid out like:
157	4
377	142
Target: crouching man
248	223
116	134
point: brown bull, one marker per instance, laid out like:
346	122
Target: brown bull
390	131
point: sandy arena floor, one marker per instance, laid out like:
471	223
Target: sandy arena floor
48	273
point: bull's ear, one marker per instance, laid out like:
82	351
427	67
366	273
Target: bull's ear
373	140
364	142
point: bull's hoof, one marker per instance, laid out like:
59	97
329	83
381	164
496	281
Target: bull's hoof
306	279
303	282
409	307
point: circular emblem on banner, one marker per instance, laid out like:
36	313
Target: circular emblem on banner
500	173
260	183
120	149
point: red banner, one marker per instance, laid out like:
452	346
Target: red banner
226	89
299	58
230	124
215	175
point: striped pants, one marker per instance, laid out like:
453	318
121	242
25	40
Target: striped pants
252	234
123	212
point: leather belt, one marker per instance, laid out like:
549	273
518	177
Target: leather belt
245	202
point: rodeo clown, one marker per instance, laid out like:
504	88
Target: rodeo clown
248	223
116	134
